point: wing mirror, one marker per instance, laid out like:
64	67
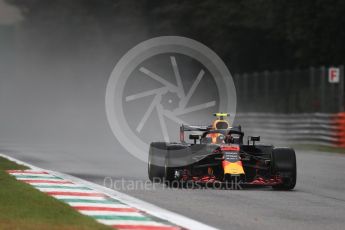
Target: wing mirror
253	139
194	137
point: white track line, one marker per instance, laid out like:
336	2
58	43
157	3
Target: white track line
131	222
129	200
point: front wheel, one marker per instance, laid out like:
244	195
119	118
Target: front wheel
169	172
177	157
156	162
283	163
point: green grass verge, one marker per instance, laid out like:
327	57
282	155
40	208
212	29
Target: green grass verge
24	207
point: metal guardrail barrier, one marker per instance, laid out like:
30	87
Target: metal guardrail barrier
305	128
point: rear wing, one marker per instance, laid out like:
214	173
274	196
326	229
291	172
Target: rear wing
201	128
208	129
191	128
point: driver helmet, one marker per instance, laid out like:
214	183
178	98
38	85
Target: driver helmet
220	122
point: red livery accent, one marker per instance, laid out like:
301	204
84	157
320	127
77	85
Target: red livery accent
230	148
262	181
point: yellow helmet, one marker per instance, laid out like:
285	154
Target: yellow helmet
220	122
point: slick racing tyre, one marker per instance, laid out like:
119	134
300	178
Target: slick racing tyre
177	158
283	163
156	162
169	172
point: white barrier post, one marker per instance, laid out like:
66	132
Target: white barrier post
341	89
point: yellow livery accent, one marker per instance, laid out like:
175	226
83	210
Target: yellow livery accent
233	168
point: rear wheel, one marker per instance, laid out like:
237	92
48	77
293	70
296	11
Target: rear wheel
156	162
283	163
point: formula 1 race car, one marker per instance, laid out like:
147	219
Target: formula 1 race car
217	154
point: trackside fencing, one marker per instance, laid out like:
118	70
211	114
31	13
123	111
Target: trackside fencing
306	128
291	91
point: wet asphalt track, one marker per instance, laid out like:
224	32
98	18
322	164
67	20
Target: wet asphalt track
318	202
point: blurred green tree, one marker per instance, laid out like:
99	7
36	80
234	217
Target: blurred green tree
250	35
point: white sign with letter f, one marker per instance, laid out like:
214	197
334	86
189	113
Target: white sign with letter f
333	75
